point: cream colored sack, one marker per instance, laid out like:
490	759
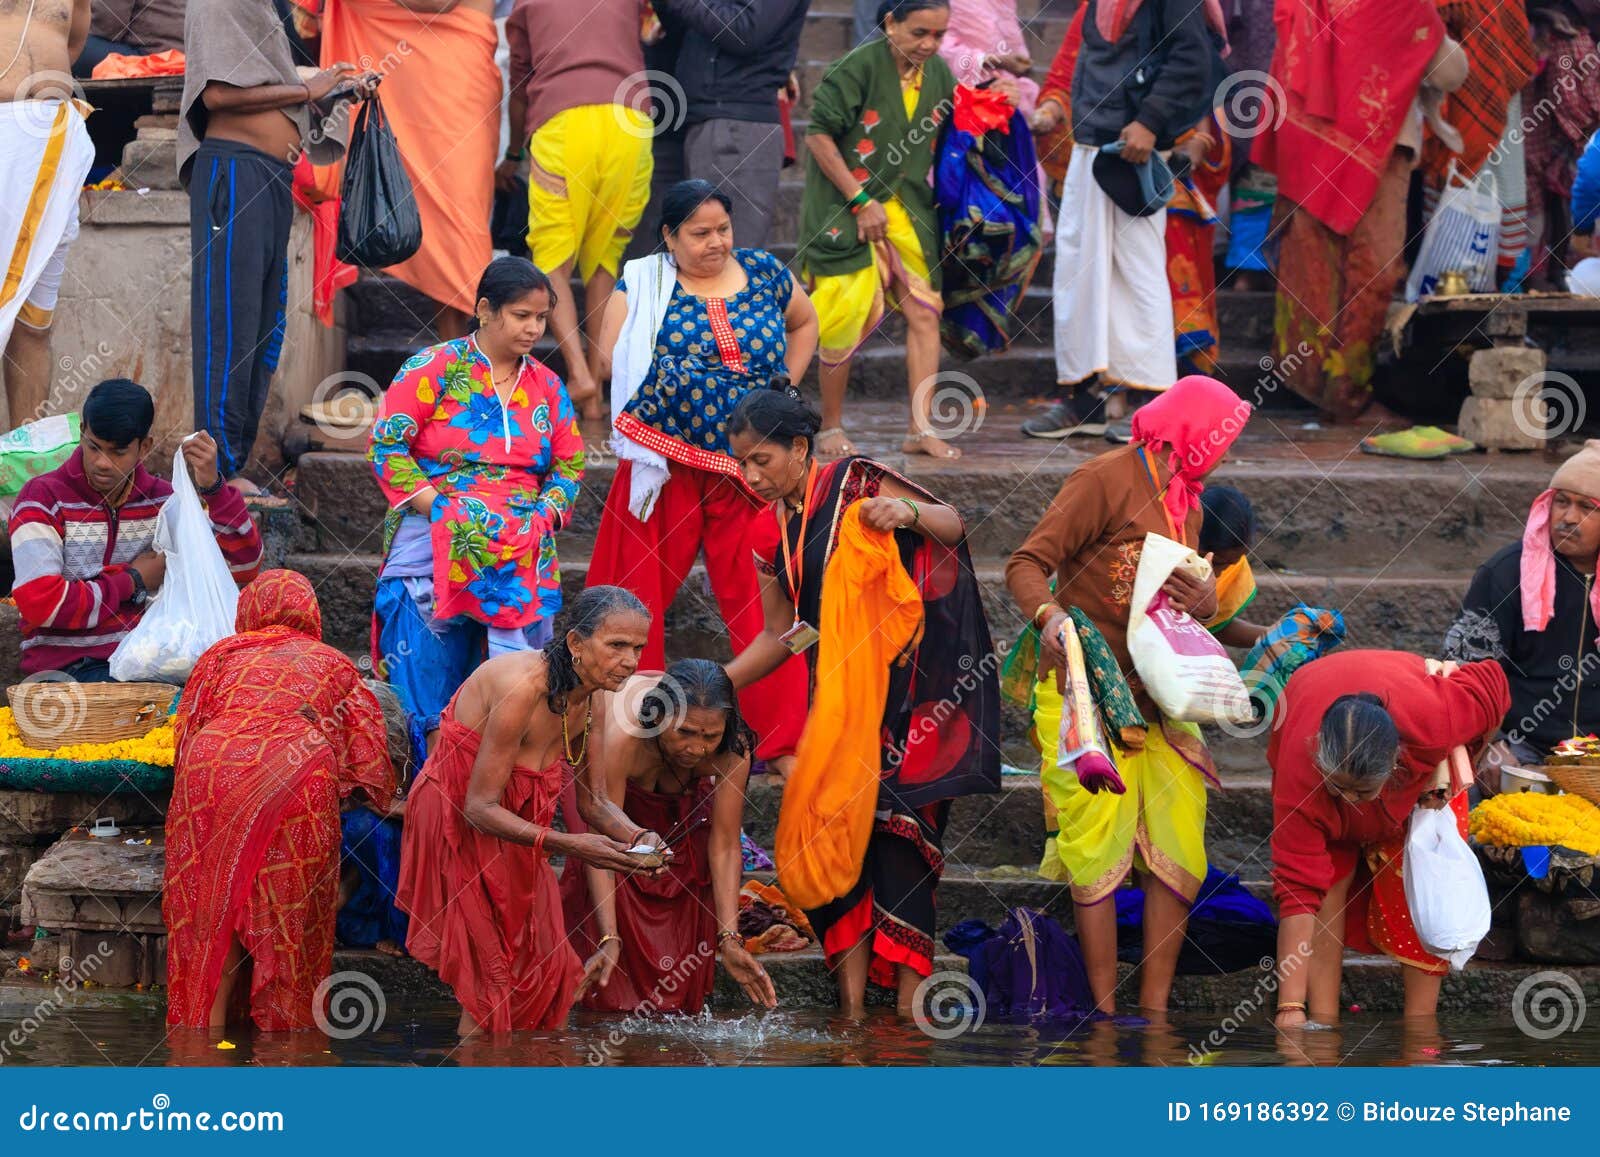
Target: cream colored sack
1185	670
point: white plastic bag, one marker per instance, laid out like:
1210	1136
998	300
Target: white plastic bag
1445	890
198	599
1463	234
1184	668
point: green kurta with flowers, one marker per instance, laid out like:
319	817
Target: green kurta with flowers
861	105
507	476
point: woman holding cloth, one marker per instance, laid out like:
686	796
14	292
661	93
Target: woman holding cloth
1363	738
935	735
687	334
869	233
476	446
1089	542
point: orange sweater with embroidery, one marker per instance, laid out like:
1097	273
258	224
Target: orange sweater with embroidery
1089	541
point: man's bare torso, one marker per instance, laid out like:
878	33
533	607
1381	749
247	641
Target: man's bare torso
42	69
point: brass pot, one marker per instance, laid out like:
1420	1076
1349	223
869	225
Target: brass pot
1452	283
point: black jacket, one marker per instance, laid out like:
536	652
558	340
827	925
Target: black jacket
1169	39
736	55
1554	673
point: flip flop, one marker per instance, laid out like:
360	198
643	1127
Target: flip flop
1420	443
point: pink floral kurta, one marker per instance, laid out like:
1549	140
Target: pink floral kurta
507	477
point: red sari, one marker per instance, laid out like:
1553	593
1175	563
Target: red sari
668	925
1318	840
273	730
486	913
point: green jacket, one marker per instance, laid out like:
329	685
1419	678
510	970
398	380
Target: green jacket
860	105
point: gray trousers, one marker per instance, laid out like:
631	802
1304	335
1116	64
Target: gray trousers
743	159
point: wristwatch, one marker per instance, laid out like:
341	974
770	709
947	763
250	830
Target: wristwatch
141	593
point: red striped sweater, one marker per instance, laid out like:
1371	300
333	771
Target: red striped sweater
71	551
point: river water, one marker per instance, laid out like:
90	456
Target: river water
118	1029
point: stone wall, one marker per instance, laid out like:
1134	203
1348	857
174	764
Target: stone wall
124	312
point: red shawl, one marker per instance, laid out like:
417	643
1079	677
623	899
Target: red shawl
1347	72
273	729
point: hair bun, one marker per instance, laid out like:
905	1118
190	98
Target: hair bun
780	383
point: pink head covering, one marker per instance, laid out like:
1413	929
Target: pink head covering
1539	568
1197	419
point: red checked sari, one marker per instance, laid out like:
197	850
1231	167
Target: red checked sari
273	730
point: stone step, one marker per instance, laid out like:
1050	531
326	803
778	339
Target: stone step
989	893
1026	371
1374	984
1321	508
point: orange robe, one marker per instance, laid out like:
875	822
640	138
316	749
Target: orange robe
273	728
486	913
441	93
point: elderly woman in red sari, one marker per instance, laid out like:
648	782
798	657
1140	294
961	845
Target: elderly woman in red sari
1362	739
484	904
676	758
274	729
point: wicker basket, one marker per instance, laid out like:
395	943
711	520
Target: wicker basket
1582	781
54	713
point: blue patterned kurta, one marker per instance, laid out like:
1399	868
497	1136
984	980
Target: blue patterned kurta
690	393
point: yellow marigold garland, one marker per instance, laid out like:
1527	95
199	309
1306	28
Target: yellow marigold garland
154	747
1532	819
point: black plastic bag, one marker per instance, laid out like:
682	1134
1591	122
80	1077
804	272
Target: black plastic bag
378	220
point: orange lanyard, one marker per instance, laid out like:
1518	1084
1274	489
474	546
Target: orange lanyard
1172	528
796	574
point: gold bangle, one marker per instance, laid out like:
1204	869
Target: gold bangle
605	938
727	935
1045	609
1292	1006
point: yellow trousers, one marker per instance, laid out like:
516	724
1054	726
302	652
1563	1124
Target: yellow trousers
1157	826
588	185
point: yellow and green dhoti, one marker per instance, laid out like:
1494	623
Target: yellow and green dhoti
850	305
1157	826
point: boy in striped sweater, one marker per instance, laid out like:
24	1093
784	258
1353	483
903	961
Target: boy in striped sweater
83	536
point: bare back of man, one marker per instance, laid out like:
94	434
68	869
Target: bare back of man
40	38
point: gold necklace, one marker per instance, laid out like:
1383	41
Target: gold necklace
566	742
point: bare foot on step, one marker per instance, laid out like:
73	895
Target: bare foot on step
929	444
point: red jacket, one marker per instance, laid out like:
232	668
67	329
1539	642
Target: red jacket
71	551
1316	837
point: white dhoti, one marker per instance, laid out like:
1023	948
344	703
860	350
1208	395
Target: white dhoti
1113	308
45	155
